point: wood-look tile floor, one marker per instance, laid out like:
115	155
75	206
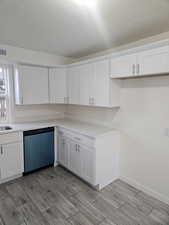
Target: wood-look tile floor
56	197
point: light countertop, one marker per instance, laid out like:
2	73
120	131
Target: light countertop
76	126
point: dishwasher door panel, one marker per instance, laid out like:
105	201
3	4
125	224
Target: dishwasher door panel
39	151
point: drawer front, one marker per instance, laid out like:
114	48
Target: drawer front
84	140
64	132
81	139
10	138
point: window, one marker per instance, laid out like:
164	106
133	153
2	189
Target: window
3	94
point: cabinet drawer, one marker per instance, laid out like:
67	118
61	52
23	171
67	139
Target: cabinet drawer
82	139
10	138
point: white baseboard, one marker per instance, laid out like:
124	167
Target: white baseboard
11	178
147	190
56	164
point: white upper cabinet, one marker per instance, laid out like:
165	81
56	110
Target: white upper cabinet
86	84
123	66
58	86
90	84
73	85
154	61
31	85
148	62
101	83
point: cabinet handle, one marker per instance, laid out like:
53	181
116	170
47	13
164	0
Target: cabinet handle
93	101
134	69
138	68
89	100
77	138
67	100
1	150
78	148
22	100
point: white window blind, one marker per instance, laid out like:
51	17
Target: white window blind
3	93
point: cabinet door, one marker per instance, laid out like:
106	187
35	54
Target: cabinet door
101	83
86	84
75	158
154	61
11	160
33	84
58	85
123	66
88	163
73	85
64	151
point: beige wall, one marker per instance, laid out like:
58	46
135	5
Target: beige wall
102	116
37	113
143	120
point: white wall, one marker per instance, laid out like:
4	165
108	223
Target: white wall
144	146
21	55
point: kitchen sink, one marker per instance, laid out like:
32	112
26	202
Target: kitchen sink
3	128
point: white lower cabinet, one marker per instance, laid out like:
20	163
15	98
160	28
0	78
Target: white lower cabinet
11	160
93	159
11	156
87	162
64	152
75	159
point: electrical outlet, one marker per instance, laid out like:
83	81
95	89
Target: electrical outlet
166	132
3	52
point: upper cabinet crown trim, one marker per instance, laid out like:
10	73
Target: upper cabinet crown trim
125	51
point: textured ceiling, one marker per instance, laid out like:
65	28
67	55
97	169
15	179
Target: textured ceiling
67	28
